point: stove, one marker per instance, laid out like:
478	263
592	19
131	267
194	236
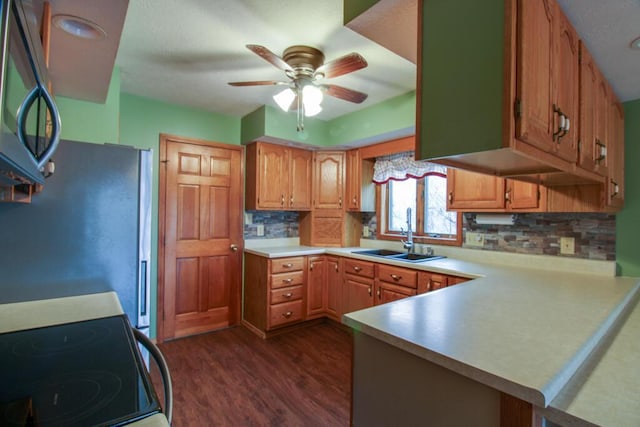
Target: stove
77	374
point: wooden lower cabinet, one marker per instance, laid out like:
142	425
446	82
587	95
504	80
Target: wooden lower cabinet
428	281
281	292
274	292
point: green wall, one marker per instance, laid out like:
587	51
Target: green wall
627	221
89	121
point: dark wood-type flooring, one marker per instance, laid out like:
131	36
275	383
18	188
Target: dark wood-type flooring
234	378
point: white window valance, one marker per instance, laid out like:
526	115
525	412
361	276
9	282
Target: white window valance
402	166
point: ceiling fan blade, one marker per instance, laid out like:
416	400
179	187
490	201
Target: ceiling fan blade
258	83
269	56
344	93
343	65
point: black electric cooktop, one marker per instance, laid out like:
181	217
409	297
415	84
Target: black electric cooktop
77	374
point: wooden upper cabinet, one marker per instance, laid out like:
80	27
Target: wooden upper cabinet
278	177
589	78
547	79
615	185
535	65
470	191
328	179
300	171
602	107
566	86
360	189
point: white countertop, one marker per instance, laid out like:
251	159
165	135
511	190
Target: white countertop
524	331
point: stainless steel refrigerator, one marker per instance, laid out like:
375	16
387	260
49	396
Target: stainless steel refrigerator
88	231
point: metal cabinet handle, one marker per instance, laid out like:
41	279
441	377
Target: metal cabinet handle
291	200
602	148
287	314
311	266
450	197
287	265
355	200
378	293
288	295
507	196
356	268
289	280
340	201
233	247
282	200
370	291
616	188
429	285
336	267
395	277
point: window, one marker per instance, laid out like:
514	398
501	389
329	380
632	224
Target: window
427	198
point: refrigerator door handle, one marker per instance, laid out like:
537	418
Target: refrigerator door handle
143	288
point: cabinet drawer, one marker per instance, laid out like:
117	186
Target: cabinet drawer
286	279
287	312
285	294
359	268
397	275
281	265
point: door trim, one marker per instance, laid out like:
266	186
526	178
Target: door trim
162	187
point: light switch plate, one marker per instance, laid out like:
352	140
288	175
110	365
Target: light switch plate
260	230
248	218
365	231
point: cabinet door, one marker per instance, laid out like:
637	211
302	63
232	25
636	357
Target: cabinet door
334	288
299	197
601	137
522	195
588	84
273	176
428	281
357	293
354	179
565	84
316	287
470	190
615	191
328	180
535	52
386	292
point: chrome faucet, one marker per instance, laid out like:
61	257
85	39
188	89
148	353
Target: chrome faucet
408	244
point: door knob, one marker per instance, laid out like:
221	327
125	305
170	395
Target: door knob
234	248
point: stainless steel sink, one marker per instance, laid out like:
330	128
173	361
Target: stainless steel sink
400	256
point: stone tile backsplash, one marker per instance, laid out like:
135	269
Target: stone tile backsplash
532	233
277	224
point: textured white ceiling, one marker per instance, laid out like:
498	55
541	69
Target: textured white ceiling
186	51
607	27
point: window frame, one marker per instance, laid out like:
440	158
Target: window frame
383	232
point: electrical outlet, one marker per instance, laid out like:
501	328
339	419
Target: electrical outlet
474	239
260	230
567	245
248	218
365	231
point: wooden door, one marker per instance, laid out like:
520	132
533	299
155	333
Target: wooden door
200	248
273	179
300	172
316	287
328	179
358	294
566	83
470	190
334	288
535	51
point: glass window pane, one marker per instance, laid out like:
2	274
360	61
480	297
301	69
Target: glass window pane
402	195
438	221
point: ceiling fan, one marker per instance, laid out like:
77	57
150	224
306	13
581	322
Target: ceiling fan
305	68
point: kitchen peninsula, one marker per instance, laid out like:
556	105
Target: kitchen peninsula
539	335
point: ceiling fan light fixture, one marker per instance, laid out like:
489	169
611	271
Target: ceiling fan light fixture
312	110
311	95
285	98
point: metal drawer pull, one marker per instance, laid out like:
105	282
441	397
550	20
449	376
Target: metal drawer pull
288	265
395	277
287	314
356	268
288	295
287	280
369	290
